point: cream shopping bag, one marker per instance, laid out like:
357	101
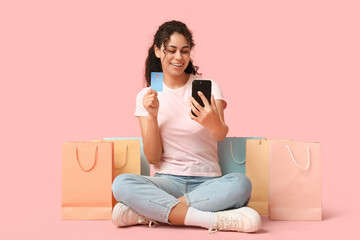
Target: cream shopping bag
144	165
126	158
257	170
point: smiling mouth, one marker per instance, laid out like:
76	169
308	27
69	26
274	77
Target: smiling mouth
176	65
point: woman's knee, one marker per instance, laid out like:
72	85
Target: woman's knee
241	186
122	185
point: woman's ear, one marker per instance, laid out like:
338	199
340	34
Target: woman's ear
157	51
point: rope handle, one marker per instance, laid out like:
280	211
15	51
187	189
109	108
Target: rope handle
232	154
307	166
125	157
95	160
265	139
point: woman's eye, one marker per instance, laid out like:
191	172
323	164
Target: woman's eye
174	51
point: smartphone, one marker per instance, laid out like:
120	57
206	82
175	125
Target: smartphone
203	86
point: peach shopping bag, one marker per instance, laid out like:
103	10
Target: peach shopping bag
295	181
86	180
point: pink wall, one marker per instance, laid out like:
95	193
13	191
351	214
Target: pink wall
70	70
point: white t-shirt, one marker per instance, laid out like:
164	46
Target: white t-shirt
188	148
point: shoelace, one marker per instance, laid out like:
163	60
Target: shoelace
152	224
227	223
212	230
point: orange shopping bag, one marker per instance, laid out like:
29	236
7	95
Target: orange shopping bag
86	180
295	181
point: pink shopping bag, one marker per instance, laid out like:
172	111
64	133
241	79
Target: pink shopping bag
295	181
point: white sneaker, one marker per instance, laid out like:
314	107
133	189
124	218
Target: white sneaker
243	219
123	216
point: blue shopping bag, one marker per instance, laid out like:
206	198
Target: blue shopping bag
232	152
145	167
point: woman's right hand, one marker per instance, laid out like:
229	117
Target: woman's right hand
151	102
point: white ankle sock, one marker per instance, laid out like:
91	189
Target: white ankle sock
199	218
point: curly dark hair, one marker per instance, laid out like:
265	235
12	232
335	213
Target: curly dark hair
162	35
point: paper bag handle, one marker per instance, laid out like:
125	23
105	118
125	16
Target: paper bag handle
307	166
232	154
125	157
95	160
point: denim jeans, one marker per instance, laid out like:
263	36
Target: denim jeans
154	197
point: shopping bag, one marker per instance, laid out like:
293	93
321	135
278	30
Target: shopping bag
295	181
126	158
86	180
257	170
231	153
144	165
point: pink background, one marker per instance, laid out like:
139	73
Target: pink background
70	70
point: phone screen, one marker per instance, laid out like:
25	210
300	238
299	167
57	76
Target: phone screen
203	86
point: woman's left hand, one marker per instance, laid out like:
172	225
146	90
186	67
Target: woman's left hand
208	115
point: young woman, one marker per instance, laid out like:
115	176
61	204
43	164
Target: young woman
188	188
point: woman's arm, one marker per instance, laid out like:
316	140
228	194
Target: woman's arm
210	116
151	139
219	133
150	128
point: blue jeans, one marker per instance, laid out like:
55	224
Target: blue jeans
154	197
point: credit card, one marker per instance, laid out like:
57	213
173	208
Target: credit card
157	81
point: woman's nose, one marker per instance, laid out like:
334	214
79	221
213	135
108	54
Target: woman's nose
178	55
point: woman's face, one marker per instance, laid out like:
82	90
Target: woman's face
177	55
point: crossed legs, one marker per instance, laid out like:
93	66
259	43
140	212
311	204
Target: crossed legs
199	202
167	198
